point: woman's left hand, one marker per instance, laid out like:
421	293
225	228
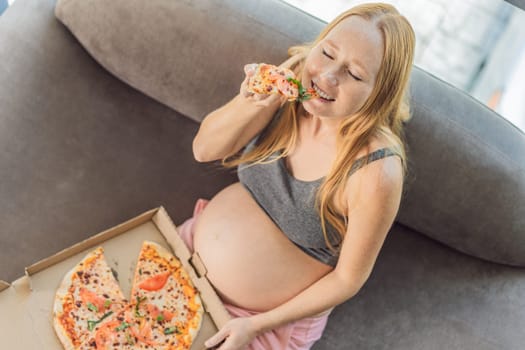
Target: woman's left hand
236	334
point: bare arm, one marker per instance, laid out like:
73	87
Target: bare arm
226	130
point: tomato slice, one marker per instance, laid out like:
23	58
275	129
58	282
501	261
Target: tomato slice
143	334
90	297
167	315
153	310
154	283
106	334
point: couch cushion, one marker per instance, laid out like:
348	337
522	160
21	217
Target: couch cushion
466	184
190	54
422	295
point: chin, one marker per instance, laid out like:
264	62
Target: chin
307	107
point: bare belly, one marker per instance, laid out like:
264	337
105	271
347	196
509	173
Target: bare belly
249	260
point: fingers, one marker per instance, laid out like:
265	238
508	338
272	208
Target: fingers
250	95
269	100
260	97
236	334
244	88
250	69
218	338
261	100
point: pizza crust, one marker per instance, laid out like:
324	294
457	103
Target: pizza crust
62	336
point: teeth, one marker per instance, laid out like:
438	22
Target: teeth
322	93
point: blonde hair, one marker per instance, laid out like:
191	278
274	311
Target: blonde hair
386	107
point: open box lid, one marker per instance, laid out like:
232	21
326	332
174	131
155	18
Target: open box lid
26	305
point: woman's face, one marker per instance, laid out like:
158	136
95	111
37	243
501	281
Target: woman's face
343	68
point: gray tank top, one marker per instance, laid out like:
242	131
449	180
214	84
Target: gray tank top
290	202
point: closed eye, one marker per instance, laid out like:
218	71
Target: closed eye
354	76
327	55
349	72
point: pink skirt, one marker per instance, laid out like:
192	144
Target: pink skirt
298	335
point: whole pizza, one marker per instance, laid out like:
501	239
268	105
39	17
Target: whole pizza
164	311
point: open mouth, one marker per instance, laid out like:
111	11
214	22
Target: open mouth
323	95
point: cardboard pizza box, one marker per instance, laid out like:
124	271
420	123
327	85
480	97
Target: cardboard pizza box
26	305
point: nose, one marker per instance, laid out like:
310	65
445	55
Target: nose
330	77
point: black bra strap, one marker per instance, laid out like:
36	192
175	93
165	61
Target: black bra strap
378	154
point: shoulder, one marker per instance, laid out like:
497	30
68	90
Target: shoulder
389	166
380	181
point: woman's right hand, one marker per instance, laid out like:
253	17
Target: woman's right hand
227	129
261	100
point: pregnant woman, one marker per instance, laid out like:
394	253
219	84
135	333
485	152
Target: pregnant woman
320	182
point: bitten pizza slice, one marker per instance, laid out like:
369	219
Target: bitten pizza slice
166	306
270	79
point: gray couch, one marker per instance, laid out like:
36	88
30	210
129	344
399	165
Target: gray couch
98	108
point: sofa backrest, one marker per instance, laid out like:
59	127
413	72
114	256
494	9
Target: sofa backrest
466	183
189	54
466	186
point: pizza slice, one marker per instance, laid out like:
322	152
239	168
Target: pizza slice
88	297
167	309
270	79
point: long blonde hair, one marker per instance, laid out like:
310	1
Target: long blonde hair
386	107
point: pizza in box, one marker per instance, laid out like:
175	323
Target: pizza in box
164	310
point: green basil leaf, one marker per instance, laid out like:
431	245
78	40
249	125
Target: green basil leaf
122	326
92	324
92	307
139	300
170	330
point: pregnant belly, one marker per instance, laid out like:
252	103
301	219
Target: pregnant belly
249	260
